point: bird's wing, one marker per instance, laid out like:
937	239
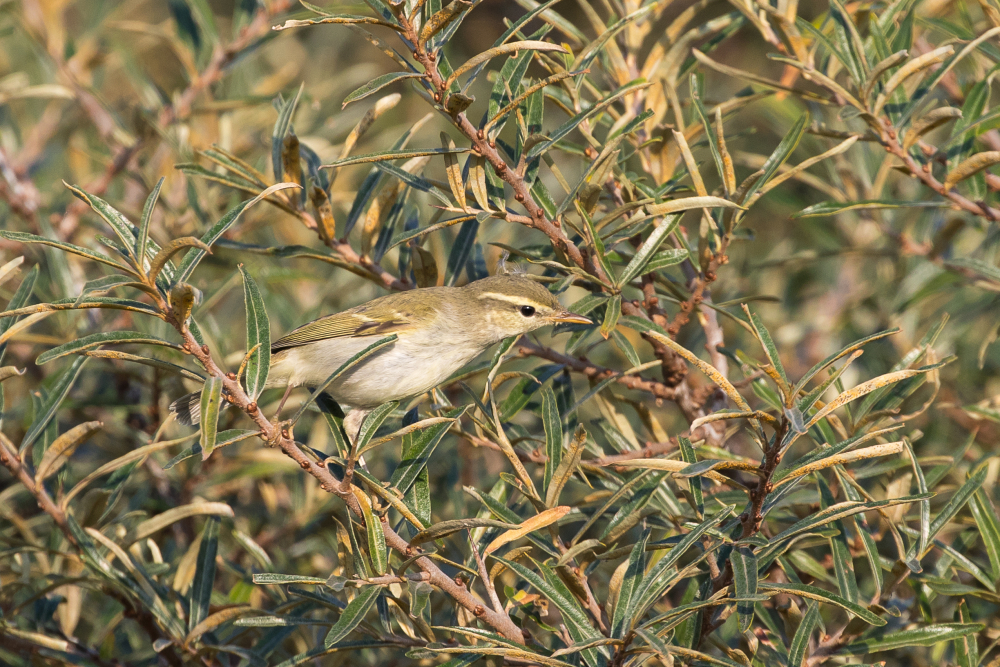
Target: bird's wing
341	325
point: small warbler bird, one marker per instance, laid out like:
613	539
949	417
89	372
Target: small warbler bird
439	330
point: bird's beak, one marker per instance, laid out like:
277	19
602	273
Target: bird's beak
571	318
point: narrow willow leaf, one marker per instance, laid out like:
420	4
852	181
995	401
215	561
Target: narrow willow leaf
352	616
163	257
566	468
258	337
442	18
744	565
373	422
190	261
175	514
577	622
445	528
970	167
489	54
628	595
956	503
391	155
927	635
911	68
62	448
282	579
778	157
829	208
86	253
417	452
989	528
820	595
647	250
611	315
874	451
689	203
824	517
377	84
564	130
552	423
376	536
861	390
705	368
658	578
537	522
843	352
56	395
211	404
97	340
147	214
800	642
204	574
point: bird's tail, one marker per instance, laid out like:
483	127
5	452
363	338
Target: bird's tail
187	409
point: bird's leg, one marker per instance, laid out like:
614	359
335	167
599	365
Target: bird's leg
288	390
353	422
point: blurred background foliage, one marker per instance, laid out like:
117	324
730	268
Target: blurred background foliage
875	127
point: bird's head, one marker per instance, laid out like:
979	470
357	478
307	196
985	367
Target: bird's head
511	305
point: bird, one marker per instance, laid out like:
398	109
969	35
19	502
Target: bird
438	331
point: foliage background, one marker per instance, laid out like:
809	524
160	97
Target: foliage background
113	96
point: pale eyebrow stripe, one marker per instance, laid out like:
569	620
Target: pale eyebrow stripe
516	300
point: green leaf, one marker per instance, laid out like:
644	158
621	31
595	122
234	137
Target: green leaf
282	126
828	208
96	340
657	579
204	574
415	457
56	395
843	352
611	315
821	595
258	336
989	528
987	271
576	620
954	504
21	296
445	528
646	252
391	155
800	642
377	84
624	618
768	344
147	215
563	130
693	471
211	404
376	540
282	579
823	517
927	635
86	253
373	421
778	157
227	437
744	565
552	423
352	616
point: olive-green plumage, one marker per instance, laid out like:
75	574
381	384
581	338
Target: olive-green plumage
438	330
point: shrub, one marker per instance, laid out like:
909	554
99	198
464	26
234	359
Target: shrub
745	199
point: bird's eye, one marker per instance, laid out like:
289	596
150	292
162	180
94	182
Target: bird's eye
527	311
